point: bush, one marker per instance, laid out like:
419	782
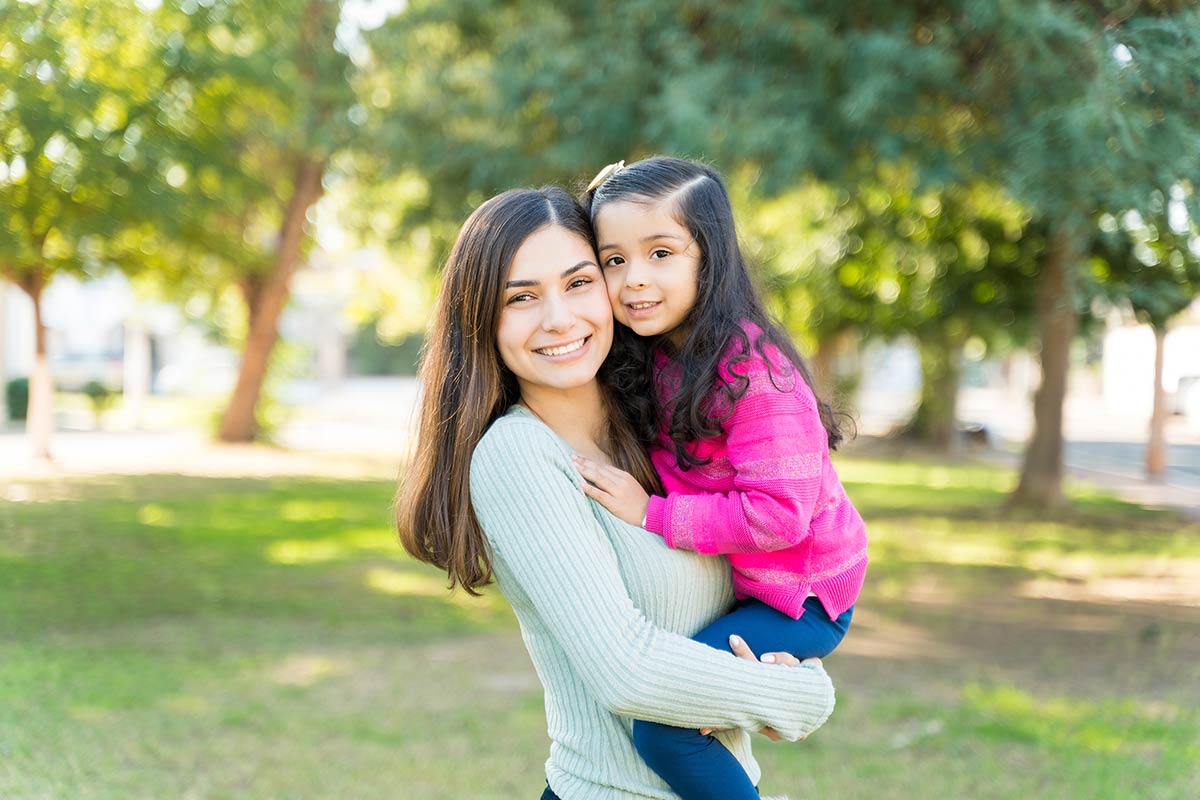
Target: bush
16	395
101	396
369	355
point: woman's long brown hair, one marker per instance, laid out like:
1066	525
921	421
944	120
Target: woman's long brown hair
467	387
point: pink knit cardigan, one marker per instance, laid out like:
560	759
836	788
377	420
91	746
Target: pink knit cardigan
769	498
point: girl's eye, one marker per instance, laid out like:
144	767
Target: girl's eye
660	253
614	261
579	282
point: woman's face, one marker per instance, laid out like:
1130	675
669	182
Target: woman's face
556	323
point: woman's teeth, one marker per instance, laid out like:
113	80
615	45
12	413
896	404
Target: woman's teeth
562	350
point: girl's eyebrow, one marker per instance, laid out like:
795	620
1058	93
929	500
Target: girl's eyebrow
645	239
566	273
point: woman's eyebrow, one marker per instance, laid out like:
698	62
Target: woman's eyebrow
572	270
566	273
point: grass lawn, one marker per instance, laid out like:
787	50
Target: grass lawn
171	637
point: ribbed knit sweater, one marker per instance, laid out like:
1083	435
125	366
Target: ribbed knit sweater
768	496
605	610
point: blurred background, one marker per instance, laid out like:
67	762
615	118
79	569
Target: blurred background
221	228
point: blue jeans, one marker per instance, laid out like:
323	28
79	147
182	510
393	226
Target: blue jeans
700	767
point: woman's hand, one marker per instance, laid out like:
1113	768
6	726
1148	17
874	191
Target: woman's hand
742	650
615	489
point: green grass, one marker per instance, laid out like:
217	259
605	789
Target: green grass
170	637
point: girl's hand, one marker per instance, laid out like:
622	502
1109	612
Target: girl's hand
615	489
742	650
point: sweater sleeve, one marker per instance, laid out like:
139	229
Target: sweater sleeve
525	495
776	446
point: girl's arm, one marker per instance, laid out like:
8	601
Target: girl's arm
525	494
776	445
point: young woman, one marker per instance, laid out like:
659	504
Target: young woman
514	386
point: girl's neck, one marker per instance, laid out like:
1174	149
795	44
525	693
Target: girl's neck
577	415
672	340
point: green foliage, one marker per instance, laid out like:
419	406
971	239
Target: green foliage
16	395
81	167
258	88
100	396
369	355
1013	119
1148	262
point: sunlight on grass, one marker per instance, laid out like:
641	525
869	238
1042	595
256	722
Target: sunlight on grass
304	551
926	475
156	515
306	510
1169	590
1110	727
397	582
306	670
406	583
187	705
346	545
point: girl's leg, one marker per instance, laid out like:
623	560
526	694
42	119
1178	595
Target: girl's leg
814	635
700	767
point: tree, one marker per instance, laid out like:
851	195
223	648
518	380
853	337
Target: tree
75	175
1151	264
962	262
255	119
1069	107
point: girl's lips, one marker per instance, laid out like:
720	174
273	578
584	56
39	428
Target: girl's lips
642	308
568	356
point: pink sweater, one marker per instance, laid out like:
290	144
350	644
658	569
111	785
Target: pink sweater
769	498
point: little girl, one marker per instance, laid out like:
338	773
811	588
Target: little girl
735	431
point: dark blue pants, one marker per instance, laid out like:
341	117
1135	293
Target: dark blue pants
700	767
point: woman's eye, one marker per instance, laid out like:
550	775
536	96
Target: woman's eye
519	298
579	282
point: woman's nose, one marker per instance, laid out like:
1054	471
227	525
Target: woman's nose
558	315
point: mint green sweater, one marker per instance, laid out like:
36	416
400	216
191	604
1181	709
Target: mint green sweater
605	611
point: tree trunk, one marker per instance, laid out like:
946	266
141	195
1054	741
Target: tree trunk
823	363
3	354
1041	474
1156	449
836	369
239	424
39	422
135	371
934	421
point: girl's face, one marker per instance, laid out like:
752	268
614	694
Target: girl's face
556	325
651	266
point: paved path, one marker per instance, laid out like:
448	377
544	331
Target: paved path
361	427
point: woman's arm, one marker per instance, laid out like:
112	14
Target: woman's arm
524	491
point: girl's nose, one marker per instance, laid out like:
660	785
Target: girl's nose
635	276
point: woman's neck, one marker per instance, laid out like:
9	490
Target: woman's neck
577	415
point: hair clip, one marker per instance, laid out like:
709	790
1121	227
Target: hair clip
605	174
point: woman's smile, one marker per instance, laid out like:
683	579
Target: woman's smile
564	352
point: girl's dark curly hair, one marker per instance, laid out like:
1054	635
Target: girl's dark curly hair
726	300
